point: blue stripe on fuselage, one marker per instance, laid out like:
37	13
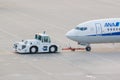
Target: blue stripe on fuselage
107	34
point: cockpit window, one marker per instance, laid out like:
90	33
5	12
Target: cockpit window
81	28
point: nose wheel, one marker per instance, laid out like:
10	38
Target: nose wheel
88	48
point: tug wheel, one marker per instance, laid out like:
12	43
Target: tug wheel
53	49
88	48
33	49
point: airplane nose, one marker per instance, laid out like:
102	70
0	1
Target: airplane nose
69	34
72	34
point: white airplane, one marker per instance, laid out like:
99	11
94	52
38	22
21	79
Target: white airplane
96	31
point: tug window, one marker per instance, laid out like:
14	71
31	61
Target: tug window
39	38
36	36
46	39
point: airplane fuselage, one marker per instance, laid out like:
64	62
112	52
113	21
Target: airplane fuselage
96	31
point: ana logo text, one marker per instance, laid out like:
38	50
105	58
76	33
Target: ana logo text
117	24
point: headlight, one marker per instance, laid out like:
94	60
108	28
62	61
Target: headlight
15	46
23	46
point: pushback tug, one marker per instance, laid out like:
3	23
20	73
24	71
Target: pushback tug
41	43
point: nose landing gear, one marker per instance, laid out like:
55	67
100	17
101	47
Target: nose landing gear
88	48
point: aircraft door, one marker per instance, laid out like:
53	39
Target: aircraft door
98	29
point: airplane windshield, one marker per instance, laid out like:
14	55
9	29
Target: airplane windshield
81	28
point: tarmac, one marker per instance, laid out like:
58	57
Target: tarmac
21	19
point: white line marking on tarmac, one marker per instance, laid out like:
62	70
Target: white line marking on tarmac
73	74
83	71
11	34
90	76
106	59
38	20
40	69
